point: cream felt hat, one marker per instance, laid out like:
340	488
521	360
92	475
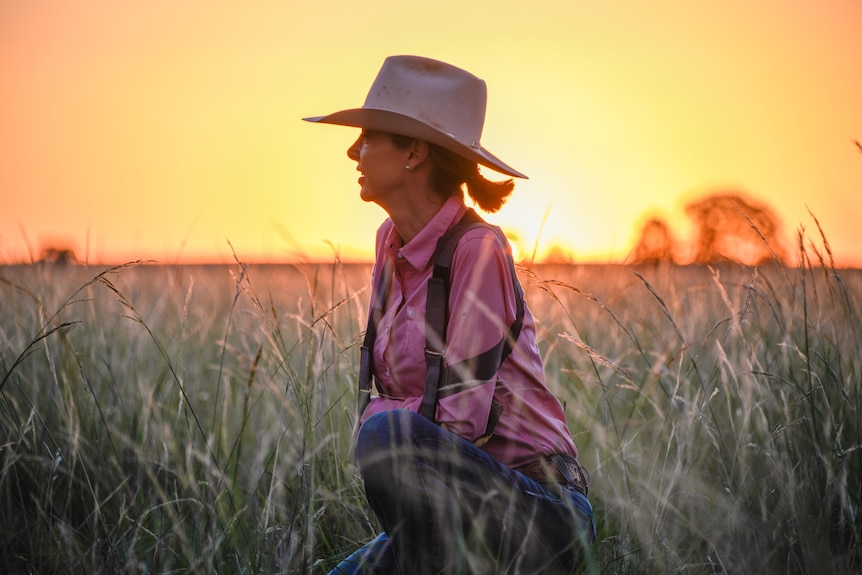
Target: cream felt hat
428	100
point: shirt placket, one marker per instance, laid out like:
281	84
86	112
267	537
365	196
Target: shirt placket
395	301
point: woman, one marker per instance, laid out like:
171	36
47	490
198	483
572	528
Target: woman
465	454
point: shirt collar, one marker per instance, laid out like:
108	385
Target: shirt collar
420	249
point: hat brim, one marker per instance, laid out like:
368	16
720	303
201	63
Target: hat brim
395	123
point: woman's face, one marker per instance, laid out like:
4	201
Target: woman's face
381	164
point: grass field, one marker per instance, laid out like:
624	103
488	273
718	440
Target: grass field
196	419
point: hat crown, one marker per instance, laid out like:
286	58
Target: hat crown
440	95
428	100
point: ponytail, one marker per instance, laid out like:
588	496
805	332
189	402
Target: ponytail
489	195
449	172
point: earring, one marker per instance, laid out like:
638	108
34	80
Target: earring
407	167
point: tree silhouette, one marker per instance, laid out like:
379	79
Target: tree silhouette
731	227
58	256
655	244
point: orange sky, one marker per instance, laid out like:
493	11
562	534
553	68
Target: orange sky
166	129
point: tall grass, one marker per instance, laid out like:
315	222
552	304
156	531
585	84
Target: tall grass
720	411
175	420
191	419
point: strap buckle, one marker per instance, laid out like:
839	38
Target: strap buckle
572	472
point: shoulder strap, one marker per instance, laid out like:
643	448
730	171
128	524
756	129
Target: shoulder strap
483	366
366	353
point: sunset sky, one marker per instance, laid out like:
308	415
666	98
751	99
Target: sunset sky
170	129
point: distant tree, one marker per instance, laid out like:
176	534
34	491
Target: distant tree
655	244
59	256
731	227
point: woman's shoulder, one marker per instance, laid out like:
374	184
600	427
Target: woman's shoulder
482	239
485	250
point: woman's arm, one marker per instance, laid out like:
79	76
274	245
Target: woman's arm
482	306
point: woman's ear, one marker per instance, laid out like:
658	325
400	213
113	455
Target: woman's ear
418	152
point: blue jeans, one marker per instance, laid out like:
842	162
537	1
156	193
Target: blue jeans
446	506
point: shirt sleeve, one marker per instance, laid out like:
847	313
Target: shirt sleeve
481	309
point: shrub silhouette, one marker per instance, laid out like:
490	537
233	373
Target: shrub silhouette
655	244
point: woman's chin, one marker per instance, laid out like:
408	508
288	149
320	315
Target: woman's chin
365	195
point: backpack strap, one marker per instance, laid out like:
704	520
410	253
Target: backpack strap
439	382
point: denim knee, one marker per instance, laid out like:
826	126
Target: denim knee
385	431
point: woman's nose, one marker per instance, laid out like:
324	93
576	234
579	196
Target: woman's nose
353	151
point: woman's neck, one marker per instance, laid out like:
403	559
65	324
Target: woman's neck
410	216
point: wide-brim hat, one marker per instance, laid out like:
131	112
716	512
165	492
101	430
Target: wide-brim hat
428	100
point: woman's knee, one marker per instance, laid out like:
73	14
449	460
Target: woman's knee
385	433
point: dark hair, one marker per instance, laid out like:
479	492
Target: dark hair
449	171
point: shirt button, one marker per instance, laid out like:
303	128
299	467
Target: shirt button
400	255
410	312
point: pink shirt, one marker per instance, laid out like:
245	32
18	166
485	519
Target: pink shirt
481	308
